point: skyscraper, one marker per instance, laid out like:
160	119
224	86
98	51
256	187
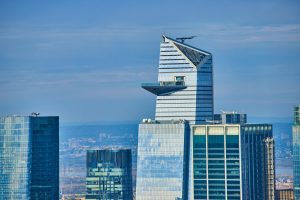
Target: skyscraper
29	149
109	174
184	96
258	158
162	165
258	162
296	151
189	153
216	162
185	83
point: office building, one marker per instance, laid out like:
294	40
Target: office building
296	152
187	152
217	162
185	83
258	159
284	194
109	174
258	171
230	118
29	156
162	165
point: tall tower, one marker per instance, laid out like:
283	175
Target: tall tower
185	83
296	151
29	149
216	162
184	97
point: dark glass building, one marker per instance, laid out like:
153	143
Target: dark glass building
109	174
258	165
45	158
29	149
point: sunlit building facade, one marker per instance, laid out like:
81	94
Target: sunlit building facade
109	174
296	152
29	149
284	194
162	160
185	83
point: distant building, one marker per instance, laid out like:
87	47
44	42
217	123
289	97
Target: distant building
109	174
284	194
217	162
296	152
162	160
29	156
230	118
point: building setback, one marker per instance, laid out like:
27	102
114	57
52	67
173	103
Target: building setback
29	155
109	174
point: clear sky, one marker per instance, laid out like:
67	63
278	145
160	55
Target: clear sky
85	60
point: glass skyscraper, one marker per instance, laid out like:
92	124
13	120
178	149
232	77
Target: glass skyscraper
162	165
258	162
185	83
296	151
184	96
187	152
109	174
29	149
217	162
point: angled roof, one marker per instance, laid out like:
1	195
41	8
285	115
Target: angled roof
194	54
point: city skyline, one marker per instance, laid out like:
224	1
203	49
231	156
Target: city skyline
65	59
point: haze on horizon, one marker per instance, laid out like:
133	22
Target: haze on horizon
85	60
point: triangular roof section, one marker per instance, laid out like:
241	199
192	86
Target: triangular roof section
194	55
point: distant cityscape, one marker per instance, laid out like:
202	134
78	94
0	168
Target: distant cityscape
187	152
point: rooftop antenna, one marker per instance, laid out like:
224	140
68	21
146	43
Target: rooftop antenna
35	114
182	39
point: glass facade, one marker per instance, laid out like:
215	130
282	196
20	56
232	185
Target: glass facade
216	162
258	171
296	152
230	118
162	165
185	83
29	157
109	174
45	158
15	157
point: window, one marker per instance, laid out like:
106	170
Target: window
179	78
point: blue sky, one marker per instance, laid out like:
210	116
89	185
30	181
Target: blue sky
85	60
